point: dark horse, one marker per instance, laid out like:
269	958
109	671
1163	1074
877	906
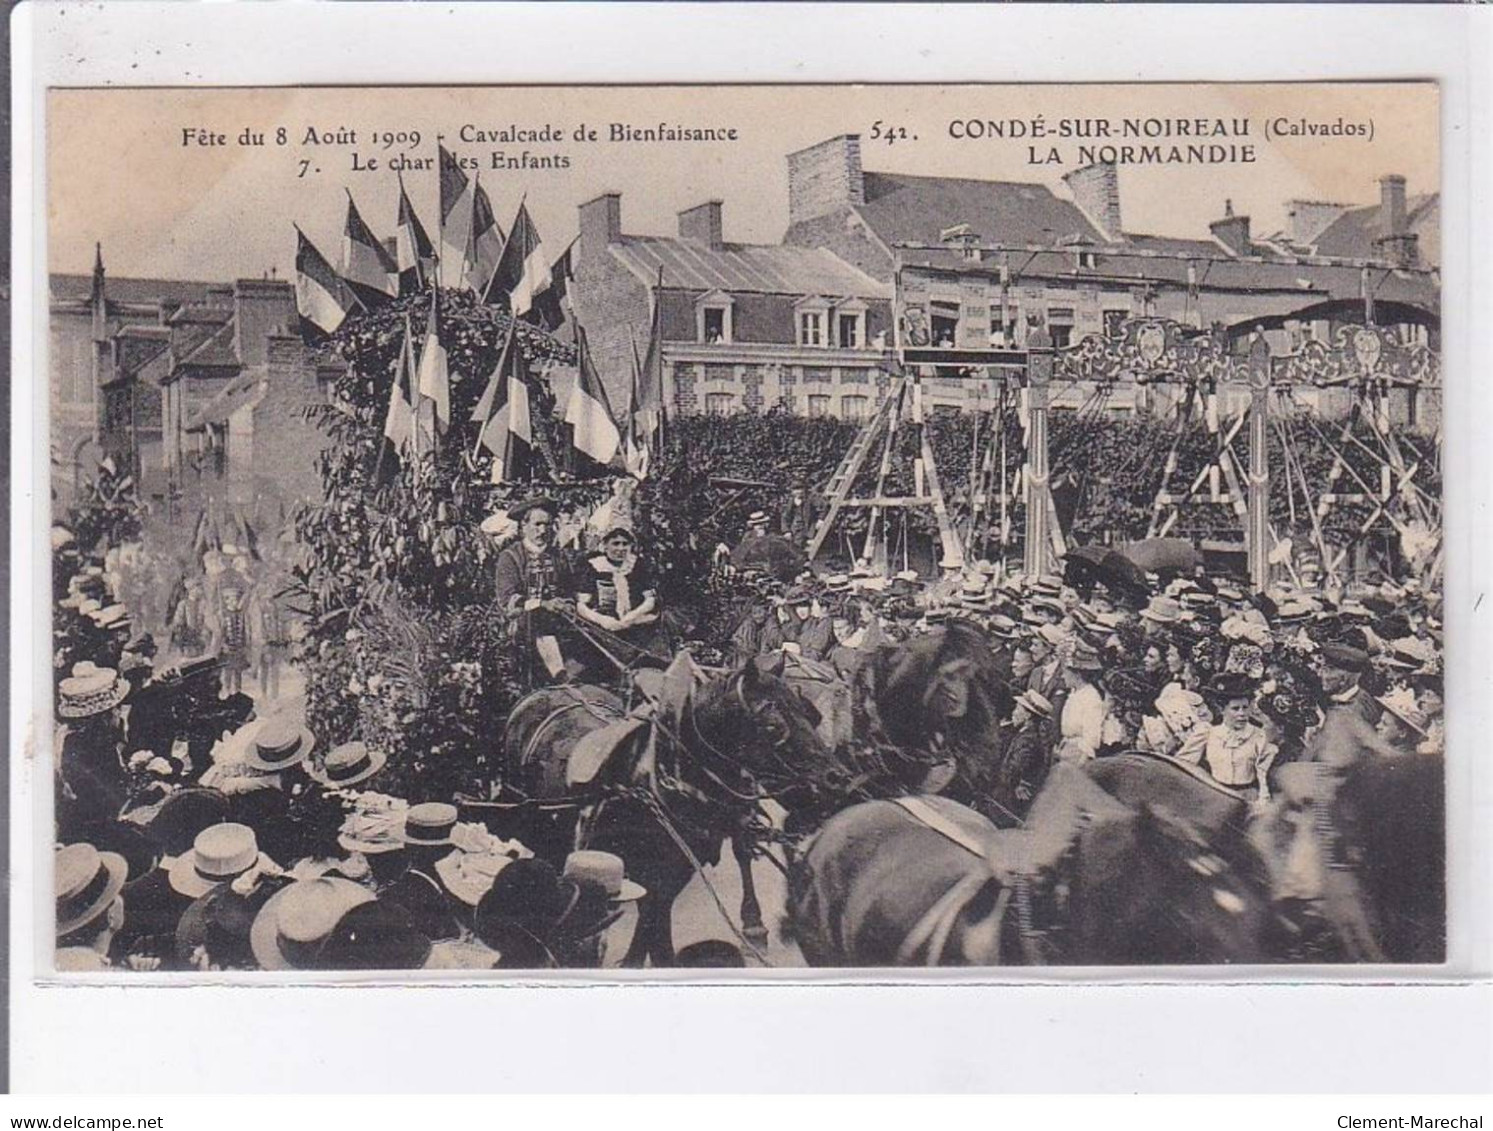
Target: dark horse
1090	881
1362	849
675	780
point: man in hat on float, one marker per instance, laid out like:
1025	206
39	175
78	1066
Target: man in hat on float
530	585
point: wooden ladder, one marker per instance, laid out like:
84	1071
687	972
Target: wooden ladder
840	483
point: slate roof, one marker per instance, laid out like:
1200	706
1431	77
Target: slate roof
744	268
1352	235
215	350
908	209
244	389
79	287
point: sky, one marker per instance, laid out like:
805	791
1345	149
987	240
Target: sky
120	174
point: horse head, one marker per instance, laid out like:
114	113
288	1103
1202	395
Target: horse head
766	728
1146	888
1357	855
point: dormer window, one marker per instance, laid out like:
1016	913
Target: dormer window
713	318
715	323
850	324
1085	254
812	316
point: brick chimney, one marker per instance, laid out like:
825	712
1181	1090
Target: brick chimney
1396	244
1310	218
825	177
1232	231
1392	205
1096	190
262	308
601	221
702	223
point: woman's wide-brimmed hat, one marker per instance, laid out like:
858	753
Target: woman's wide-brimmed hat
183	815
290	929
373	829
220	923
373	936
530	907
90	690
87	882
470	875
1227	686
220	854
278	744
347	765
1402	705
607	870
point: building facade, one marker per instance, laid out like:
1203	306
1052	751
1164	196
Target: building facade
743	327
976	265
198	389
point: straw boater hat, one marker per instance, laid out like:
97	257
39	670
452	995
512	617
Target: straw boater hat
1084	658
1036	703
112	616
605	869
278	744
429	823
1002	626
87	882
347	765
220	854
757	518
1163	610
90	691
1046	587
289	930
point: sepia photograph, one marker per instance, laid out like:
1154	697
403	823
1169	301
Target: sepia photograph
512	530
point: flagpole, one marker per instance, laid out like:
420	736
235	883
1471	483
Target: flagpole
663	401
407	354
435	429
440	222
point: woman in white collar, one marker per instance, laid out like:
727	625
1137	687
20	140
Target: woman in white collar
616	590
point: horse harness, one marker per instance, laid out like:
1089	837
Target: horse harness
936	925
